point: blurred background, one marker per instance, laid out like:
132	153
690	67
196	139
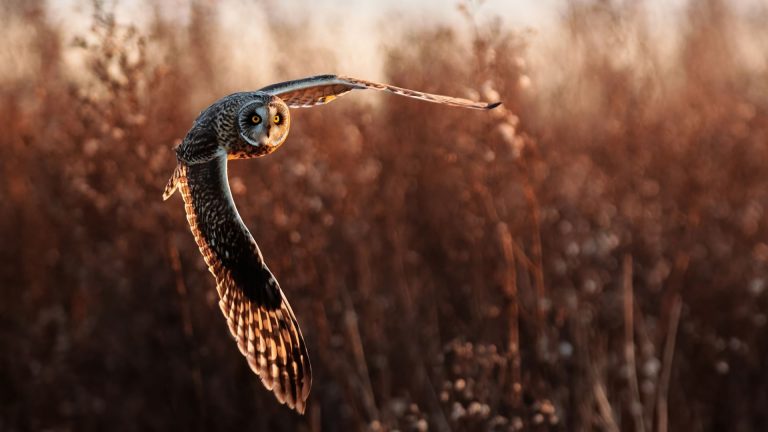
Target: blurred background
591	256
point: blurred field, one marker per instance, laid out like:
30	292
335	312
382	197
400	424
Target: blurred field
593	256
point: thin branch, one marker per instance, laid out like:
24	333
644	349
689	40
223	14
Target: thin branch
635	407
186	319
315	418
490	208
513	325
603	405
356	341
666	367
510	251
510	293
536	251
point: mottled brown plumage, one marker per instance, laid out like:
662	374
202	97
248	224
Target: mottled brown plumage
243	126
258	315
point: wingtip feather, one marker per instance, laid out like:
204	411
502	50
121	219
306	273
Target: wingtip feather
173	183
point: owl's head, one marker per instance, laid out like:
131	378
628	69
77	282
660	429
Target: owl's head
262	123
241	125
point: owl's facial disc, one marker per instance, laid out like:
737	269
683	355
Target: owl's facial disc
279	122
263	125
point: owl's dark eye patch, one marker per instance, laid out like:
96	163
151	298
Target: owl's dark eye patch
256	119
278	118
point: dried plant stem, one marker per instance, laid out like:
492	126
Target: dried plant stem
181	289
356	341
490	207
537	257
186	319
315	418
584	398
629	346
603	405
509	285
440	419
510	294
666	367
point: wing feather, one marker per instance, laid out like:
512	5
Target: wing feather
262	323
321	89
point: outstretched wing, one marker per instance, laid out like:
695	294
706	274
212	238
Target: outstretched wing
321	89
257	312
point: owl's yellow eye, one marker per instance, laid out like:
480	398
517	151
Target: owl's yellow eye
256	119
277	119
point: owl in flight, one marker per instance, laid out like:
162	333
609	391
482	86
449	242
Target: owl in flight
243	126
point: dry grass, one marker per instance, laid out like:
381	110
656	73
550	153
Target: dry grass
460	271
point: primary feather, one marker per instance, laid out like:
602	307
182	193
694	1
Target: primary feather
321	89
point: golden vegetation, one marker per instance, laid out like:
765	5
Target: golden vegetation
592	256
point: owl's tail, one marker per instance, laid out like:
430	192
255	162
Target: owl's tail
173	182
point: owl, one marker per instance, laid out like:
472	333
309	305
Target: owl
243	126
